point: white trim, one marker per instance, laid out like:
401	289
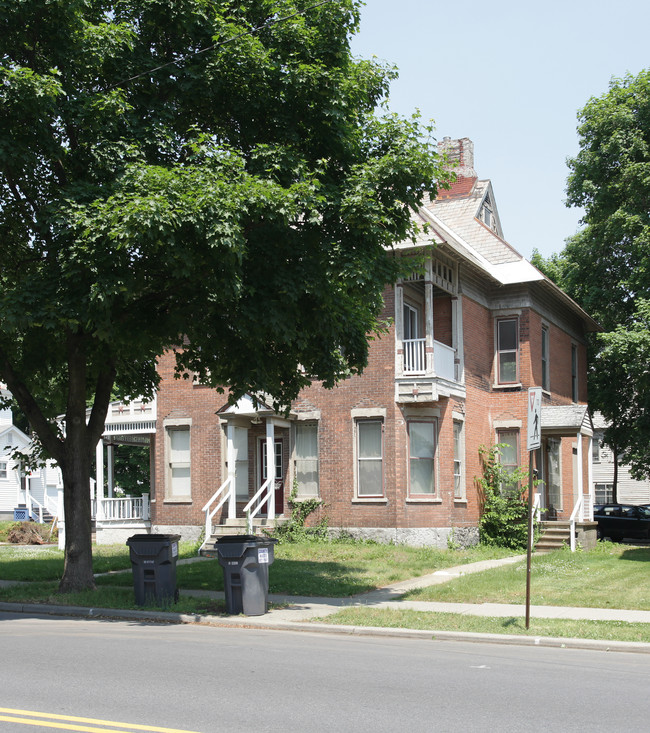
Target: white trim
367	412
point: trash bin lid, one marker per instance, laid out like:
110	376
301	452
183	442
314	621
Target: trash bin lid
237	538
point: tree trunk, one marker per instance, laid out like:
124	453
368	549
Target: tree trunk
78	567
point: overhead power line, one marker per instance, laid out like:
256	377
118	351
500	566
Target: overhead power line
187	56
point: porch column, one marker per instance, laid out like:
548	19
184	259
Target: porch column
429	335
270	465
110	465
232	464
590	479
399	328
99	480
579	471
457	337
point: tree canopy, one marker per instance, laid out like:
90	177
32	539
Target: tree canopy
211	173
606	266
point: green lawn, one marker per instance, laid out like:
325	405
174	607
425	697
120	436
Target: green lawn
611	576
562	628
335	569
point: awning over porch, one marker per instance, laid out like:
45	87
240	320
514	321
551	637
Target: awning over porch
567	420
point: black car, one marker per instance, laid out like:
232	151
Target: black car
619	521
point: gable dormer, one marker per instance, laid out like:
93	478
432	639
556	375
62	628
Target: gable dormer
487	212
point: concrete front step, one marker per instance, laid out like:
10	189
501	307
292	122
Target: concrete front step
554	536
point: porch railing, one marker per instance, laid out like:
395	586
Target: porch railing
265	494
415	358
123	508
221	496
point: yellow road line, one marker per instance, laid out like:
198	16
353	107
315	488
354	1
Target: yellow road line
73	719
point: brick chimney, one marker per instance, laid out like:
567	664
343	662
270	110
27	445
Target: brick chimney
460	154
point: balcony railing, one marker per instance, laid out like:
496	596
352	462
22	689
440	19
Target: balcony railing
415	358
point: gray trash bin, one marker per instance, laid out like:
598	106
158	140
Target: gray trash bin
153	561
245	560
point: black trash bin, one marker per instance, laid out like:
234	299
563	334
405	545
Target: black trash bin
153	561
245	560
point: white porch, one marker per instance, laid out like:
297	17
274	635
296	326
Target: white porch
240	418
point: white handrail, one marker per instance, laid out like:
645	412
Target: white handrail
577	510
229	483
30	502
127	507
265	489
537	505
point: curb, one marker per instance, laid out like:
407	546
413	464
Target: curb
251	622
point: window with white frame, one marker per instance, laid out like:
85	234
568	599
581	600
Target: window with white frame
306	461
507	350
3	469
545	359
604	493
370	447
509	454
422	452
178	484
574	373
459	460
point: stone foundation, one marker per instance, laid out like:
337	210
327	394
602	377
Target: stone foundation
441	537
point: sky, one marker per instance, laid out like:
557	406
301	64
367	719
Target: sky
511	75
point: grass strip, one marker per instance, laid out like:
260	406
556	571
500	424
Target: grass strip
610	576
104	597
430	621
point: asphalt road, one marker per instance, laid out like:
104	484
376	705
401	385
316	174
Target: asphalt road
128	676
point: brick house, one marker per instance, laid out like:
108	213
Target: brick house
393	453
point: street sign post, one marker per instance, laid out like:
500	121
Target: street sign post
533	443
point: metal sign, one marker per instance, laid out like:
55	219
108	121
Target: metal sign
534	418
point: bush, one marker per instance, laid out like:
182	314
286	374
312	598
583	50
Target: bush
295	530
504	519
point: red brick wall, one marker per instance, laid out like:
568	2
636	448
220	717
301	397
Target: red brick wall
482	408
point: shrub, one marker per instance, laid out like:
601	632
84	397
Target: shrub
504	519
295	530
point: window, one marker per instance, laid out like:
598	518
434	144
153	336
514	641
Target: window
507	350
240	440
574	372
370	458
306	463
459	456
414	351
595	447
411	325
545	359
509	446
179	476
604	493
422	449
3	470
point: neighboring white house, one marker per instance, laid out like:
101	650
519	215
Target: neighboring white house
630	490
35	491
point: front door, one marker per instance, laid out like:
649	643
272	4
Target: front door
279	474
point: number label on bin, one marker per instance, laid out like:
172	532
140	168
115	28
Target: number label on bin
174	549
263	555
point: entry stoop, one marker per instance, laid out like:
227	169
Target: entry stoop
238	526
554	535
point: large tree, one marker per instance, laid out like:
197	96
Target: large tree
206	170
606	266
